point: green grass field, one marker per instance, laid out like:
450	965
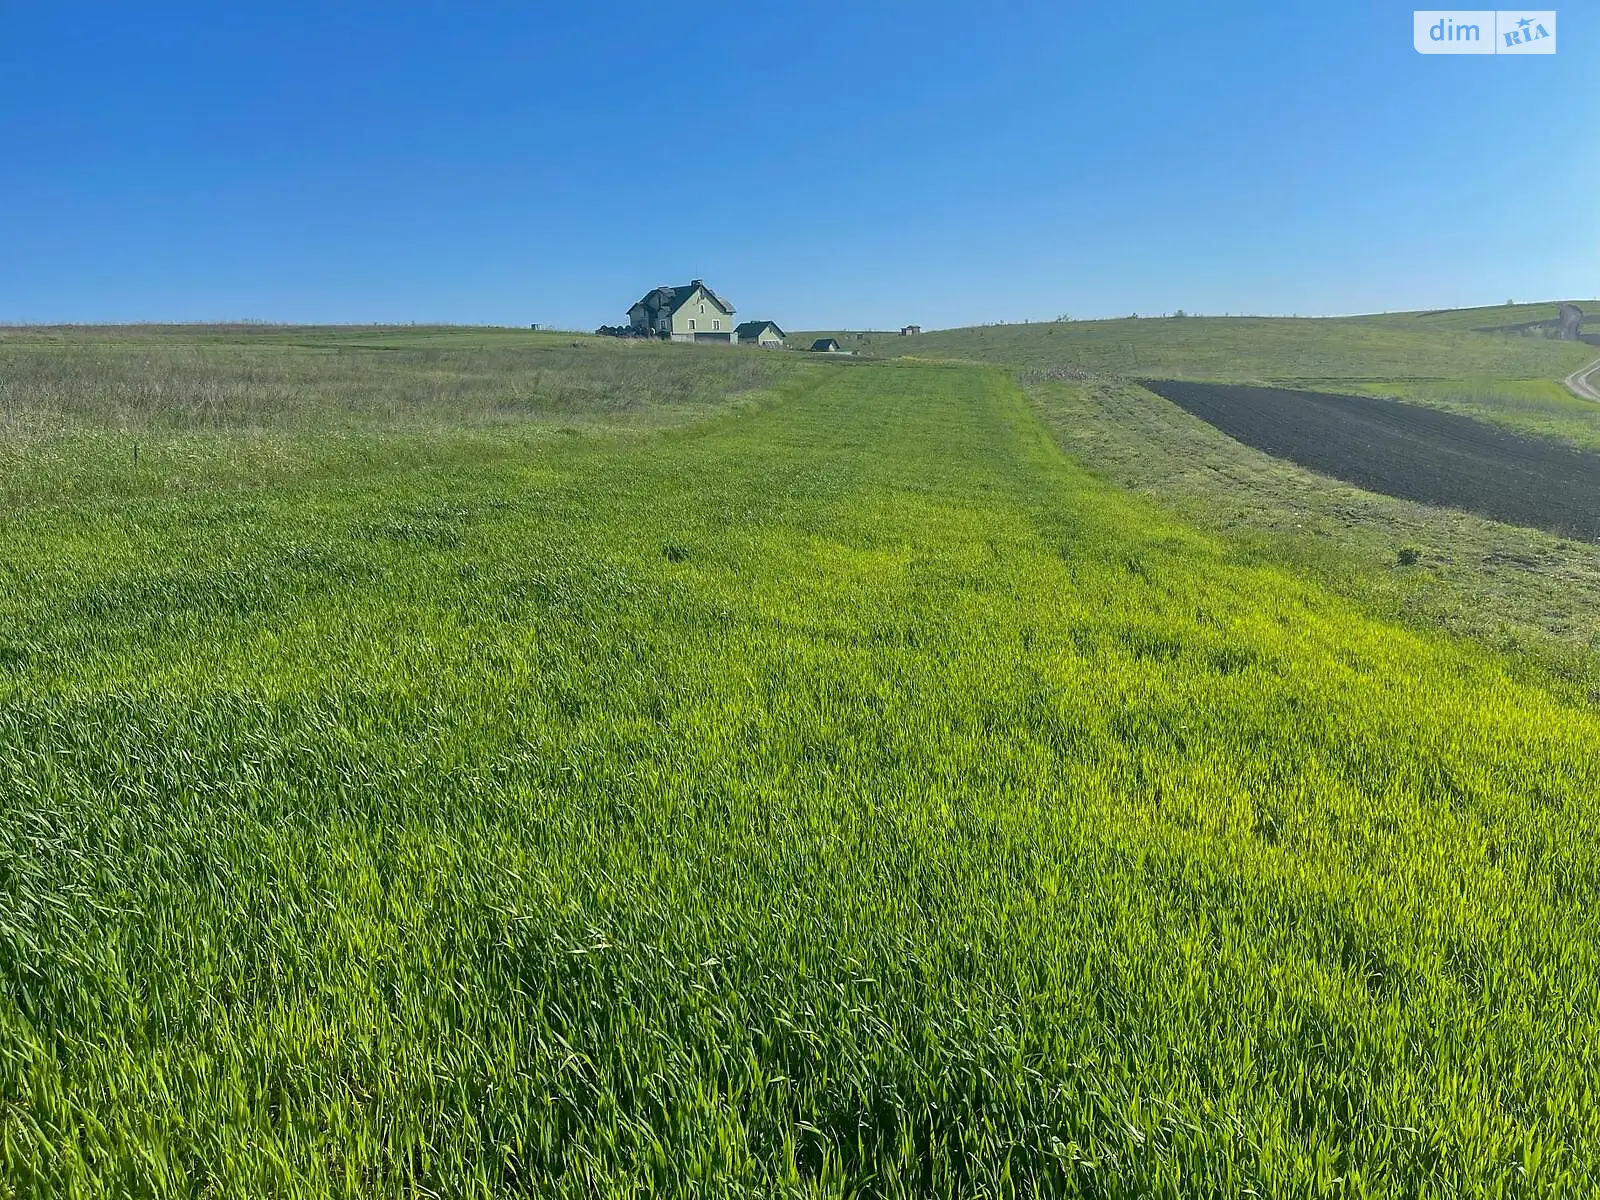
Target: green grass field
505	766
1494	316
1431	358
1295	351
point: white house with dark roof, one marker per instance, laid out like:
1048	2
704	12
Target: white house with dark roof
689	313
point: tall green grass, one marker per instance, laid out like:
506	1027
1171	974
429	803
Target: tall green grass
270	381
112	411
844	797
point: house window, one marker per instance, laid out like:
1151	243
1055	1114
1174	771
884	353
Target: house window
691	322
716	325
702	308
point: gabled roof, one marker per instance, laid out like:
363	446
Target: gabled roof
754	328
824	343
671	299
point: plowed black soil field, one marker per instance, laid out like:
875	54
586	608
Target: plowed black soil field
1403	450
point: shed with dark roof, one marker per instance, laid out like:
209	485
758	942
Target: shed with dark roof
761	333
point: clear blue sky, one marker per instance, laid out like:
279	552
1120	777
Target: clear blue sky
823	165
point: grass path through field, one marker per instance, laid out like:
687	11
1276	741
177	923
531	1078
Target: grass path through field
850	796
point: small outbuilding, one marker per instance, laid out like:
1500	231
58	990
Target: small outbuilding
910	330
826	346
760	333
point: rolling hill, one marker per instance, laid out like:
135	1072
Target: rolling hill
1288	350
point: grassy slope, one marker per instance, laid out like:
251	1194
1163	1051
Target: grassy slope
1495	316
1537	406
1425	358
1515	588
214	408
1248	349
283	380
1510	586
853	794
1252	349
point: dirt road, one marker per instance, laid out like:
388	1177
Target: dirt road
1585	382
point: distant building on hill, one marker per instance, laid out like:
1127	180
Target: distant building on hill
691	312
910	330
826	346
761	333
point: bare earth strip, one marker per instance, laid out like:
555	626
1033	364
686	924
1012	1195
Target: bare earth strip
1415	453
1583	382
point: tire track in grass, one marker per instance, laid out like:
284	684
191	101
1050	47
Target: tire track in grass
1581	382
